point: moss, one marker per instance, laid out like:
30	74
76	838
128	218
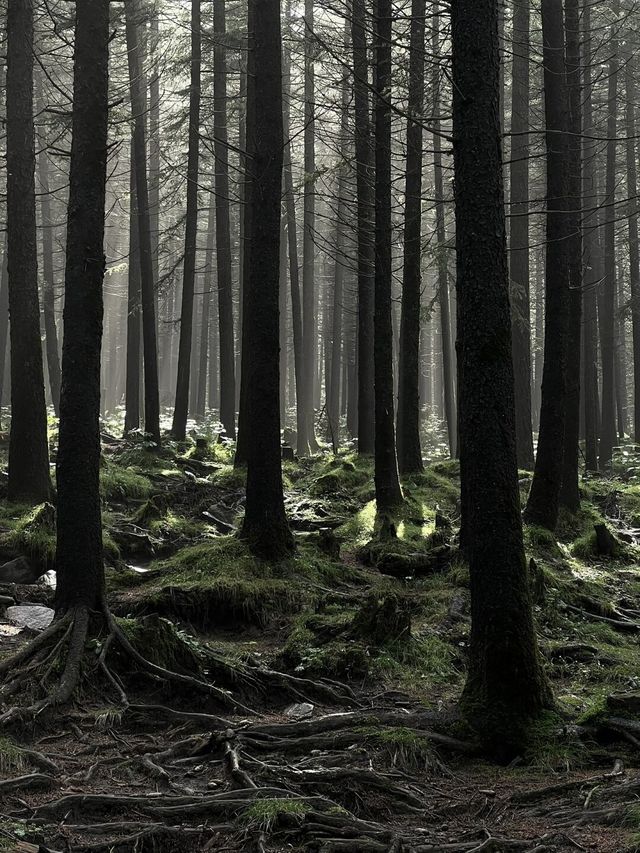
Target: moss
596	709
159	641
551	745
405	747
541	542
229	477
12	756
122	484
34	536
264	813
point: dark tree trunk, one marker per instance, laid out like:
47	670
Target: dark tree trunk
147	284
365	202
265	524
154	142
447	384
569	492
590	322
543	504
4	318
205	320
223	228
79	563
607	324
519	232
388	492
409	452
634	249
309	329
29	478
179	426
505	685
134	327
48	283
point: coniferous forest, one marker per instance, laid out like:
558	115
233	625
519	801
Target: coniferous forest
320	426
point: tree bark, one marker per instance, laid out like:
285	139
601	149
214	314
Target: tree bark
148	296
519	232
409	451
265	524
543	504
505	685
179	427
223	228
365	204
134	327
29	479
79	564
388	491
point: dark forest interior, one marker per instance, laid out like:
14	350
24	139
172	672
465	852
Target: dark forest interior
320	426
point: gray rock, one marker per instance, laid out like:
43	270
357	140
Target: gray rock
299	710
33	616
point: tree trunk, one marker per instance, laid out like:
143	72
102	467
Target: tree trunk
79	563
519	232
388	492
505	685
543	504
365	203
590	322
634	247
570	492
138	106
179	427
409	452
265	524
134	327
223	228
29	479
608	436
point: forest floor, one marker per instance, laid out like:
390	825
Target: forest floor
334	726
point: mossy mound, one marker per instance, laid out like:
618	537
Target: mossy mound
118	483
160	642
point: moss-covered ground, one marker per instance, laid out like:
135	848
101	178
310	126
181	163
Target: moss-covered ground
379	604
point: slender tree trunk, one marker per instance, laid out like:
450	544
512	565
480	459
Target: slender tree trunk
519	232
590	322
607	317
634	246
365	203
505	685
543	504
4	318
265	524
179	427
409	452
132	390
223	228
29	478
79	564
149	333
388	492
443	272
570	492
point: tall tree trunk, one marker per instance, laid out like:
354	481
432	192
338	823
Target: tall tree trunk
134	327
29	478
388	492
590	322
505	685
409	452
634	246
519	232
154	142
607	316
443	271
265	524
48	283
179	427
223	228
4	318
205	337
569	492
309	331
543	504
79	564
149	332
365	203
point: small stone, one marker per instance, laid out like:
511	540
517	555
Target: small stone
299	710
33	616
